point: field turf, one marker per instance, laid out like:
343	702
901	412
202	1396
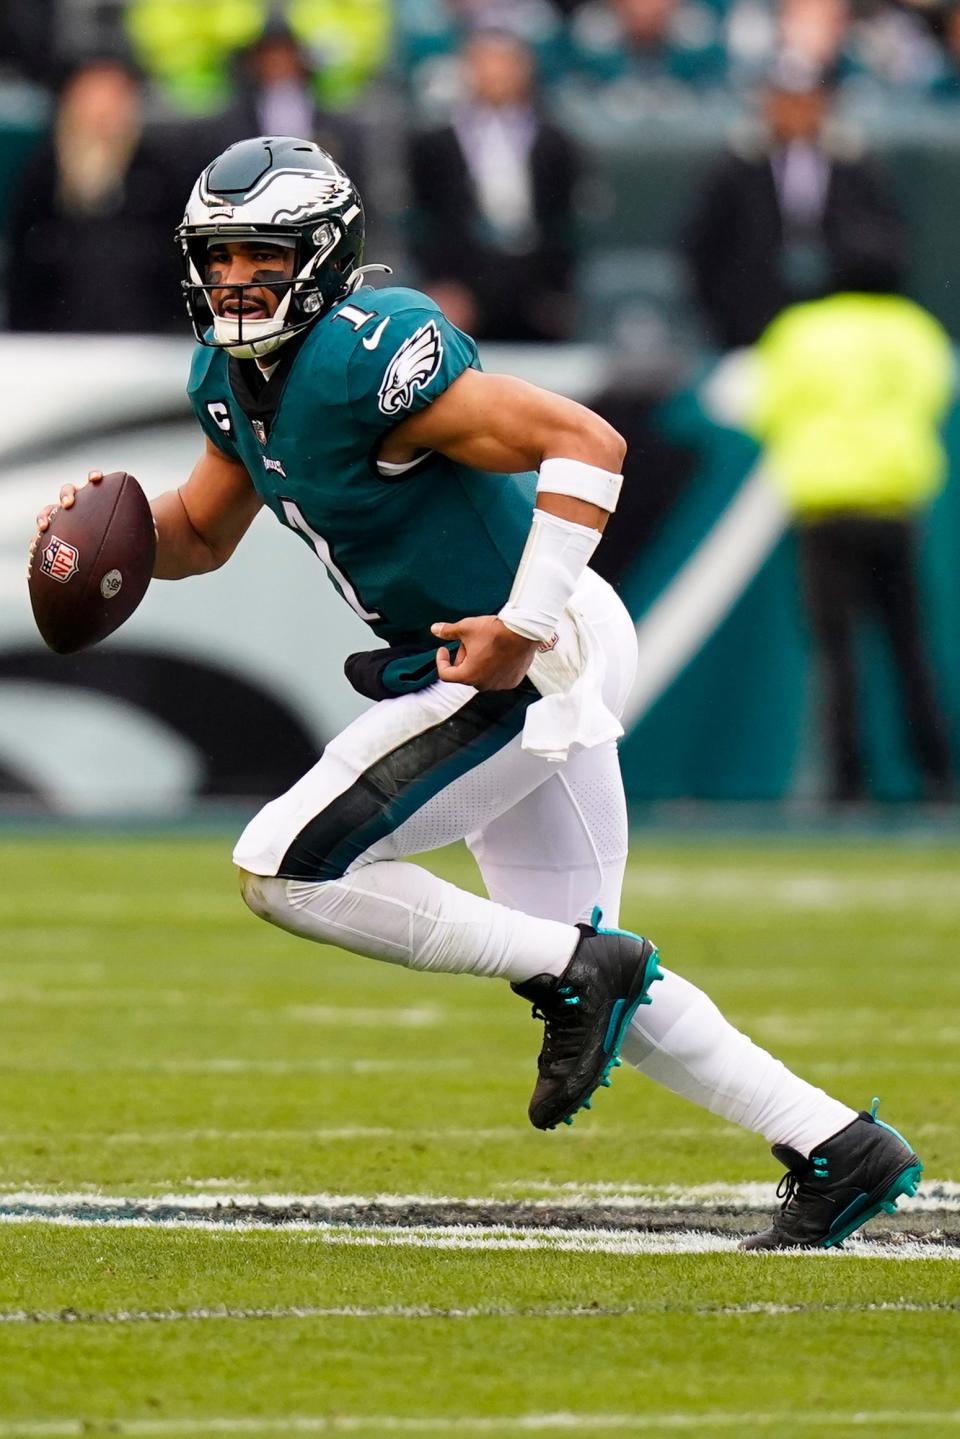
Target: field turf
157	1040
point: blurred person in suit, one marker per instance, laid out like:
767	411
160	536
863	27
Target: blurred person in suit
777	216
493	195
94	203
276	94
847	397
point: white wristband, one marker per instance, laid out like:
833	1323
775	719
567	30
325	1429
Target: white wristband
555	556
581	481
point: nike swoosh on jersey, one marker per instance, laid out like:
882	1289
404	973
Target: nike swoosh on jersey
370	342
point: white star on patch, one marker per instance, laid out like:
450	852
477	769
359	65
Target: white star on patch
412	367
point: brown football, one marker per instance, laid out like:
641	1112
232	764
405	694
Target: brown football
91	568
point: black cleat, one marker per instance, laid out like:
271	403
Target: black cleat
857	1173
586	1012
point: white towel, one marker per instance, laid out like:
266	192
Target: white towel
570	678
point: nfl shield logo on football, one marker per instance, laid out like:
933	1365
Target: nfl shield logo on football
59	560
260	430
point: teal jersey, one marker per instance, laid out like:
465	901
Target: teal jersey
405	545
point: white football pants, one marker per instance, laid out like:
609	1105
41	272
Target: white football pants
426	769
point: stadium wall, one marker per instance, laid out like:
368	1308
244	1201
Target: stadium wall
224	688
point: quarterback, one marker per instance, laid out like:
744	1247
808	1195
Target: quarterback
456	512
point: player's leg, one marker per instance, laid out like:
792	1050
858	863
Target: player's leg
560	852
410	774
325	861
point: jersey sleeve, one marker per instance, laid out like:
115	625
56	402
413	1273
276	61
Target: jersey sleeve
210	407
419	355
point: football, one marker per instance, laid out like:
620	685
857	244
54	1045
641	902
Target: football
91	567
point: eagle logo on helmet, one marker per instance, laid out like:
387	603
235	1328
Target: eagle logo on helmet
329	193
412	367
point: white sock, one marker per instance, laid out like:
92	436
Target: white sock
682	1041
405	915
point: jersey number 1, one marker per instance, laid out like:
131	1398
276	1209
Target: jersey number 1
346	587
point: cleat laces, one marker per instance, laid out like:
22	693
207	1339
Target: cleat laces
563	1031
795	1190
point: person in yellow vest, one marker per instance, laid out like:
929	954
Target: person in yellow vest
848	396
186	46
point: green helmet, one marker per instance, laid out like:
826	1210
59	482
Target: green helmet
288	192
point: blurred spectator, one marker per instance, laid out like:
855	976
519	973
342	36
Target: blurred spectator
777	220
26	28
91	231
895	44
649	41
430	35
879	43
276	95
947	85
493	196
186	45
849	394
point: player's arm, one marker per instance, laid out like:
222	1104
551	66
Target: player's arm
200	524
500	424
504	425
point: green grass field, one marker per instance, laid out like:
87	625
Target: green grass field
155	1040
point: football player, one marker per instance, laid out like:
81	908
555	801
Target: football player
456	512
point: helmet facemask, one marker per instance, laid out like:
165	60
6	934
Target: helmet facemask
301	298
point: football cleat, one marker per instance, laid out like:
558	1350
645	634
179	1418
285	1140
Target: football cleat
854	1175
586	1012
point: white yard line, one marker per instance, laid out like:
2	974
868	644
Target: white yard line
224	1312
320	1134
478	1239
823	1420
936	1195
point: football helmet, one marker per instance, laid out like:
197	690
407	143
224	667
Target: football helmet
286	191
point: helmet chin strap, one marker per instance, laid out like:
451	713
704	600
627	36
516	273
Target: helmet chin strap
260	337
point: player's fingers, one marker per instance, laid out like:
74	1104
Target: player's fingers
445	631
93	476
444	667
68	493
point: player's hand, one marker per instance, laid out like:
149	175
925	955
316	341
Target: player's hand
490	656
68	494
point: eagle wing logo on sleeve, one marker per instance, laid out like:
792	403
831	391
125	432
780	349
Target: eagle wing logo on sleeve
412	367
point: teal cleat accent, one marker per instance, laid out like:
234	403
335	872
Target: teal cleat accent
858	1173
586	1014
861	1211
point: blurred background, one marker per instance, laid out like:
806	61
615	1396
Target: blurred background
728	225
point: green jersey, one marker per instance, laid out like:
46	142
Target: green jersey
406	545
